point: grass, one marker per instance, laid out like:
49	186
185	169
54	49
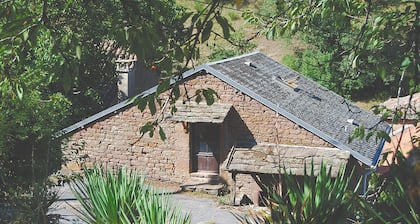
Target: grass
276	49
368	104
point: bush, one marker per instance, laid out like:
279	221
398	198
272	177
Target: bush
29	153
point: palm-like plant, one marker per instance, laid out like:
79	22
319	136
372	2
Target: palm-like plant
122	196
316	199
319	199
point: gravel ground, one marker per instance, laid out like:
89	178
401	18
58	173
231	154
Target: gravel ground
203	210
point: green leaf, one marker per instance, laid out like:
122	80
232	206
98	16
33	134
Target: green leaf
358	133
198	97
249	17
209	98
382	72
25	35
163	86
369	135
205	35
78	52
355	62
176	92
405	63
179	54
19	91
270	33
66	80
383	135
225	26
209	95
33	35
152	105
141	103
184	18
378	21
194	18
162	134
196	53
173	109
397	116
293	26
147	128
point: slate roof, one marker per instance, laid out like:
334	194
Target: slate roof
302	101
290	94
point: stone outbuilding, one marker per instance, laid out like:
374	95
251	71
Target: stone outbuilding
267	117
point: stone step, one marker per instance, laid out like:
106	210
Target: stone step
212	189
205	174
206	182
205	177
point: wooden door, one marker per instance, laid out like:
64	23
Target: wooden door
206	147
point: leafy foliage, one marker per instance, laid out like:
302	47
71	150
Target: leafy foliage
122	196
359	49
159	33
28	154
395	194
54	71
362	48
239	46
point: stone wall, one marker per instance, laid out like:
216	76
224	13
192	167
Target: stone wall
272	158
251	121
116	140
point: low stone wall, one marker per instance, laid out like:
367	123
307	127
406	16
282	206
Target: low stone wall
271	159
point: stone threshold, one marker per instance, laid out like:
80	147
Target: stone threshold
205	182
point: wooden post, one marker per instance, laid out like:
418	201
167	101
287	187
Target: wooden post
233	196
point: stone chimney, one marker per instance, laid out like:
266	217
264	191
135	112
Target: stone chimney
134	77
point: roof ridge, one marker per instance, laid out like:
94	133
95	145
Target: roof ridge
232	58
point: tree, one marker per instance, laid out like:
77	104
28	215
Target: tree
359	47
31	114
51	50
362	46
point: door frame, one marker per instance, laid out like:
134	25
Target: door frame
213	150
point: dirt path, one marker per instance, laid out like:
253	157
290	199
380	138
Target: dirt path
203	210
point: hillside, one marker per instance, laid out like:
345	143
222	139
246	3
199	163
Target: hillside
276	49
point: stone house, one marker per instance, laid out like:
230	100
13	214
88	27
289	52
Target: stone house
267	116
404	133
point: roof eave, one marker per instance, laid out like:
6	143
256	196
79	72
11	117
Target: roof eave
378	153
117	107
